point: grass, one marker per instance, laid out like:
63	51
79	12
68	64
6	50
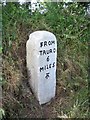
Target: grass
71	100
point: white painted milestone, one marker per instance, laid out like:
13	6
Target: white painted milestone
41	58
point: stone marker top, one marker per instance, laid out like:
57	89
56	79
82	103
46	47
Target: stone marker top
41	34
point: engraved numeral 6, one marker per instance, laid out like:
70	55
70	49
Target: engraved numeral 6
47	58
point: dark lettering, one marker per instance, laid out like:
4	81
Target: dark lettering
47	58
47	75
54	50
47	51
50	50
53	64
49	43
53	42
45	67
49	65
41	69
40	52
44	52
41	44
45	43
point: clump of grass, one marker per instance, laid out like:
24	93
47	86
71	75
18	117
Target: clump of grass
11	75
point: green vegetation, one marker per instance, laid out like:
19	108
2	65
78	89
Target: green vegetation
71	27
2	113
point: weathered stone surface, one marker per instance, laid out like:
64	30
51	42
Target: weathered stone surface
41	64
